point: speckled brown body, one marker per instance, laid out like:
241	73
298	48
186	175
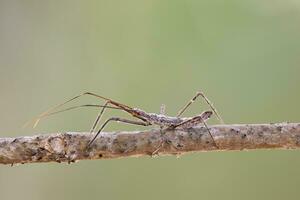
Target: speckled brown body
168	121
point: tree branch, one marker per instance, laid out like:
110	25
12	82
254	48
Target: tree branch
71	146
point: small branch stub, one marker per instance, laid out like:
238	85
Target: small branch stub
71	146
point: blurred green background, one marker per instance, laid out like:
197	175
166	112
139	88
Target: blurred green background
243	54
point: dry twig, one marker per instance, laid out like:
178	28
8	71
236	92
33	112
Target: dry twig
71	146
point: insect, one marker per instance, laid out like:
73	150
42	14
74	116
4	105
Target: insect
142	117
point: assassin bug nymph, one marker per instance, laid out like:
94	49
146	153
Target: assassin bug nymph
143	118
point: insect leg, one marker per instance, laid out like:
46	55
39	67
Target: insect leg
206	126
117	119
99	117
196	120
181	111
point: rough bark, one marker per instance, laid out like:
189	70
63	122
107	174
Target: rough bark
71	146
